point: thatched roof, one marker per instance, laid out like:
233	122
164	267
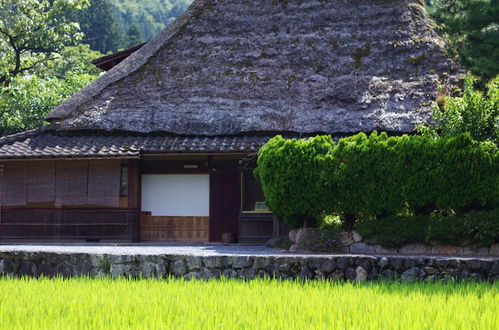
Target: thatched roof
233	66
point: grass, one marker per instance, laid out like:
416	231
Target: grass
229	304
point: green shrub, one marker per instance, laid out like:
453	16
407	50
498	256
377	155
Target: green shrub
291	173
394	231
481	228
475	112
377	176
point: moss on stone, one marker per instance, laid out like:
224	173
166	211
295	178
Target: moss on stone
360	53
415	60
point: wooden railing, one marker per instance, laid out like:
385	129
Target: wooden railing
70	224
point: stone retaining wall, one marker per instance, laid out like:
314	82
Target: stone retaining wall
353	242
348	267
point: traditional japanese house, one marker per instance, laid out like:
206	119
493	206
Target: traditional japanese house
151	150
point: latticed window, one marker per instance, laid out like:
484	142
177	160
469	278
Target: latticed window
124	180
252	198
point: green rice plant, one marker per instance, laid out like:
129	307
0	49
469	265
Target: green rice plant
105	303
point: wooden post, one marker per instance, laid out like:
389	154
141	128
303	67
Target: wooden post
276	227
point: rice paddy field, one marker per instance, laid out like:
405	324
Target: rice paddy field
230	304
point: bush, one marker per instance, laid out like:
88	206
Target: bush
480	227
291	173
377	176
475	112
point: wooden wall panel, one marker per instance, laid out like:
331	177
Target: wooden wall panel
71	186
41	181
104	182
175	229
69	224
14	182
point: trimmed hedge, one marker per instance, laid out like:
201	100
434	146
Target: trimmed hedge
377	176
479	227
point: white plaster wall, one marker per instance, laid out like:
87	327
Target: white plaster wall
176	194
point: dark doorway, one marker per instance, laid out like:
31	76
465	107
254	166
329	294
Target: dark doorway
225	204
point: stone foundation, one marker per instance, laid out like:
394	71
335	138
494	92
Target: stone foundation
347	267
353	242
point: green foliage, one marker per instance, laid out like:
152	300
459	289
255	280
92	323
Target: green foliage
394	231
111	25
377	176
32	31
134	37
151	16
100	26
291	173
479	227
471	28
26	102
71	60
475	112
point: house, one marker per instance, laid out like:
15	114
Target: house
151	150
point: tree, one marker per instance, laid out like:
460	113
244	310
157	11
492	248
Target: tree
32	31
134	37
27	100
476	112
472	31
100	26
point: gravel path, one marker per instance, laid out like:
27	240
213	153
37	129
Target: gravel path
147	249
179	249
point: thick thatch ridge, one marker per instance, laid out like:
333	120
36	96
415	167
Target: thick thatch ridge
232	66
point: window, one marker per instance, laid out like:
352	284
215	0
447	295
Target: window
252	199
124	180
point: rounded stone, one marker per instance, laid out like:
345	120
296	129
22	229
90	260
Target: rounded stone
387	274
5	267
360	274
230	273
46	269
192	275
345	238
247	274
194	263
284	268
65	269
241	262
383	262
343	263
356	237
363	262
327	266
412	274
27	269
350	274
261	263
83	268
118	270
362	248
178	268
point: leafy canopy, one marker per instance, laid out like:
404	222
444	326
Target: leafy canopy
471	28
32	31
475	112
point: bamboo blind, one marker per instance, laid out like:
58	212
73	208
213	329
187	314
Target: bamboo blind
14	184
104	182
71	182
41	181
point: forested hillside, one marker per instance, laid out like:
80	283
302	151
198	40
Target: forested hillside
110	25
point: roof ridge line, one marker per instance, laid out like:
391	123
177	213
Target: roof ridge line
21	135
131	64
